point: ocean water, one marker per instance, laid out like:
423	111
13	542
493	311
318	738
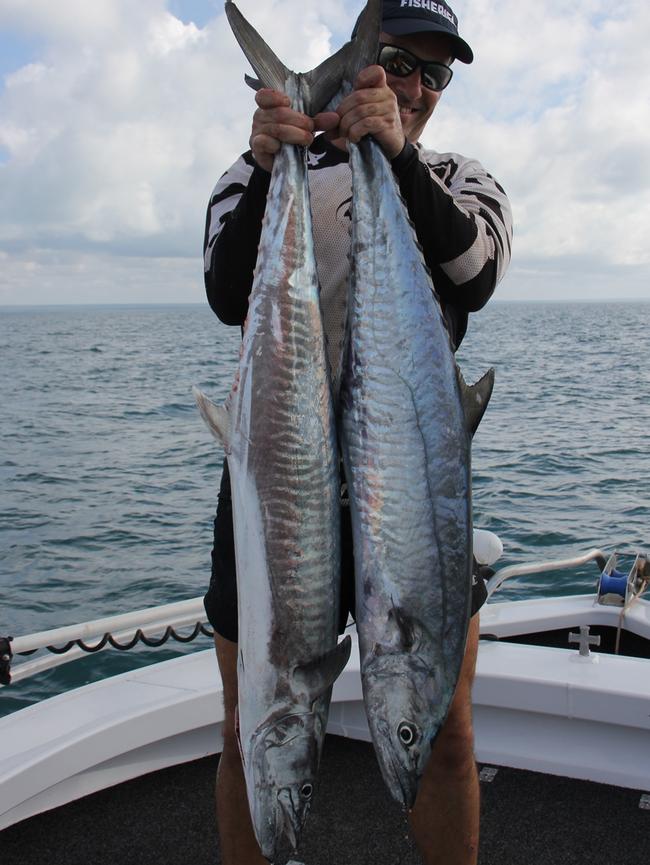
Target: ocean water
108	478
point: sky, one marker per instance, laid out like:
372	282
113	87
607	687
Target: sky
117	118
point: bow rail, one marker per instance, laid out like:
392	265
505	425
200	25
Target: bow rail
123	632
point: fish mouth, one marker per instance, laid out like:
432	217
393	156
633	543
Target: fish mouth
291	820
404	786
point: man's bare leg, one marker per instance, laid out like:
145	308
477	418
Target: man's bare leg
236	836
445	817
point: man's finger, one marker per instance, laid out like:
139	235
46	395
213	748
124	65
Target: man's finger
365	96
367	126
267	98
326	121
371	76
283	116
264	144
368	111
286	133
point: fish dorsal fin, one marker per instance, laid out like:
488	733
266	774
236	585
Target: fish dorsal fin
475	398
268	67
215	416
316	676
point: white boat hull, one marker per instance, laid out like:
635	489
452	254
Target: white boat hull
539	708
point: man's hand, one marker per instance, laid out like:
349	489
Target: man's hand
276	123
372	109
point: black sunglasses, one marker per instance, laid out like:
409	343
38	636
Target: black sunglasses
400	62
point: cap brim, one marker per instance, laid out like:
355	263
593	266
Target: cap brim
404	26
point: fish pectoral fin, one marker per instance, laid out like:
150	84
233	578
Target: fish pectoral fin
316	676
215	416
268	67
408	628
475	398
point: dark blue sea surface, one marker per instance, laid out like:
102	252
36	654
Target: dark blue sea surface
108	477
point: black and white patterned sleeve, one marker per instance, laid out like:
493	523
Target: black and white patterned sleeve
463	221
477	193
232	231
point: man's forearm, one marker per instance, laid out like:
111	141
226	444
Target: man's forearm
463	236
231	255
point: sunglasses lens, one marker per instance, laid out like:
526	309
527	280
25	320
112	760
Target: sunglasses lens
400	62
436	76
396	61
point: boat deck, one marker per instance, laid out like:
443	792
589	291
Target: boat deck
168	817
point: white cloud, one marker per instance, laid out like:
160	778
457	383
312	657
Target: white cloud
68	276
32	73
70	21
556	107
167	33
113	137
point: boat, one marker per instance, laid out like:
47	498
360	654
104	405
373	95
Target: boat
562	690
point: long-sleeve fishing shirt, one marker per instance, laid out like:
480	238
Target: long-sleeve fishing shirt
461	216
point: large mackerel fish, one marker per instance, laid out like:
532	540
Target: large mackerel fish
278	432
406	428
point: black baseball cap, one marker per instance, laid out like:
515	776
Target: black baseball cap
400	17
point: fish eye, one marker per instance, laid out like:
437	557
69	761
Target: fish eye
407	734
306	790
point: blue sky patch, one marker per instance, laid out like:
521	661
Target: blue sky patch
17	50
198	11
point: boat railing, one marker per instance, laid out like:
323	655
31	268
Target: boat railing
152	626
510	571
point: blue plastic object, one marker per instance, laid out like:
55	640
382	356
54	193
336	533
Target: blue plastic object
613	584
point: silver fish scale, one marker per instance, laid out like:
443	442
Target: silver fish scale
287	439
283	461
405	432
406	449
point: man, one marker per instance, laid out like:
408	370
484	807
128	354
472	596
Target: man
463	222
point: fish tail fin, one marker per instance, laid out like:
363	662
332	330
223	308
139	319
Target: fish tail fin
337	74
321	85
215	416
269	68
475	398
366	40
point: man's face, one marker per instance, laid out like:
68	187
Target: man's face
416	102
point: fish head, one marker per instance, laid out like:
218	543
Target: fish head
281	777
402	693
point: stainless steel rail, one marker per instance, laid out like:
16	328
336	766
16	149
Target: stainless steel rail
539	567
122	628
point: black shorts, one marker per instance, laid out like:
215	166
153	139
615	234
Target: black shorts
220	600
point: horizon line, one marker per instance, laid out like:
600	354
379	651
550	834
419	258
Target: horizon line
158	304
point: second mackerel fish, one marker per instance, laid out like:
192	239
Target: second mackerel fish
407	424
